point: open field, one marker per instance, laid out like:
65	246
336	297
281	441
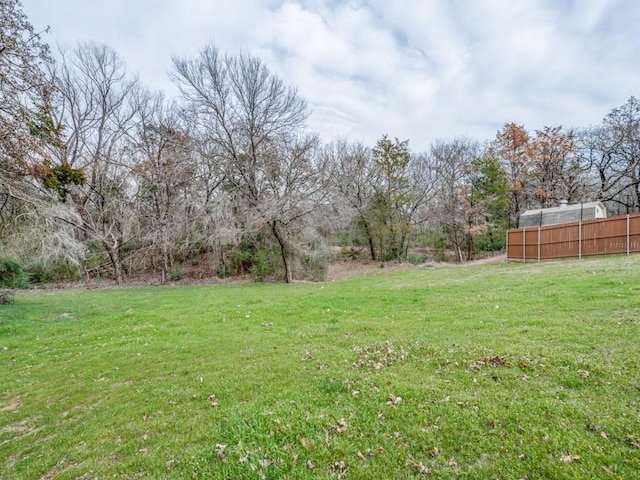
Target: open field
488	371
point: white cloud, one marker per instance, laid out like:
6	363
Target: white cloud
416	69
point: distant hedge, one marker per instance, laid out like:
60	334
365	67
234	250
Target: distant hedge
12	274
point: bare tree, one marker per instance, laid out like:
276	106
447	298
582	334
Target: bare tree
356	175
256	123
618	155
423	188
611	154
94	102
164	173
455	213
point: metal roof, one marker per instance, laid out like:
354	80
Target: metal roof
563	214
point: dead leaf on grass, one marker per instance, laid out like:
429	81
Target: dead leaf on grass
495	361
421	468
569	457
633	441
220	448
393	400
342	426
339	469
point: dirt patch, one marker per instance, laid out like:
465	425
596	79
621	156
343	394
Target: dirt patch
339	269
345	270
12	406
358	269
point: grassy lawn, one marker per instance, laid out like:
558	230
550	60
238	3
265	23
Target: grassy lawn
491	371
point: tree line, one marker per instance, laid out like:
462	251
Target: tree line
99	175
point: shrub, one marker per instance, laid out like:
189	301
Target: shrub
12	274
493	241
415	259
176	274
315	264
440	250
6	298
53	272
265	263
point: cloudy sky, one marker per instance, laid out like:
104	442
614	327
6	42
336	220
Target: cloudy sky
415	69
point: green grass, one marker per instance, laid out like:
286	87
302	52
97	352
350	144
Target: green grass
491	371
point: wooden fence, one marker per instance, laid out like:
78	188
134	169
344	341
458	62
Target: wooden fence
604	236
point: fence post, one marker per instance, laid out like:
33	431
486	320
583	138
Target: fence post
507	242
538	244
628	239
580	239
524	245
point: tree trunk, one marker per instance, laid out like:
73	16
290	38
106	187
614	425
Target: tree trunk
114	256
367	231
164	248
284	252
471	252
457	246
165	263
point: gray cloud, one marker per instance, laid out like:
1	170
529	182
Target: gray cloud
416	69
